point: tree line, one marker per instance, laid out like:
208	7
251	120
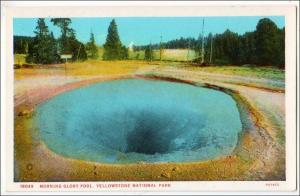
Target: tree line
21	44
181	43
43	48
264	46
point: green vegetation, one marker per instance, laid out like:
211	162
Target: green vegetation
262	47
246	71
66	33
167	55
20	59
149	53
113	48
43	49
269	43
68	44
181	43
91	48
136	55
21	44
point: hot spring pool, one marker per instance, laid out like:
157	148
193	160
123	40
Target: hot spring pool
133	120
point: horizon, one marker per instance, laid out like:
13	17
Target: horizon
143	30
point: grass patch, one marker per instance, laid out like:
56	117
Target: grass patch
95	67
19	59
100	67
247	71
85	68
137	55
167	55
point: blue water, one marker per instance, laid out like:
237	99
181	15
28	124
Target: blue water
133	120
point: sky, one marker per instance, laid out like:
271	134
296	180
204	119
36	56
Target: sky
143	30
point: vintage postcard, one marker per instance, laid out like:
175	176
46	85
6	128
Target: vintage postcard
148	97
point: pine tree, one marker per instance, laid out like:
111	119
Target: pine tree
43	48
77	48
25	49
53	49
81	52
267	42
66	32
21	44
149	53
124	52
68	43
208	49
281	60
91	48
249	48
113	49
